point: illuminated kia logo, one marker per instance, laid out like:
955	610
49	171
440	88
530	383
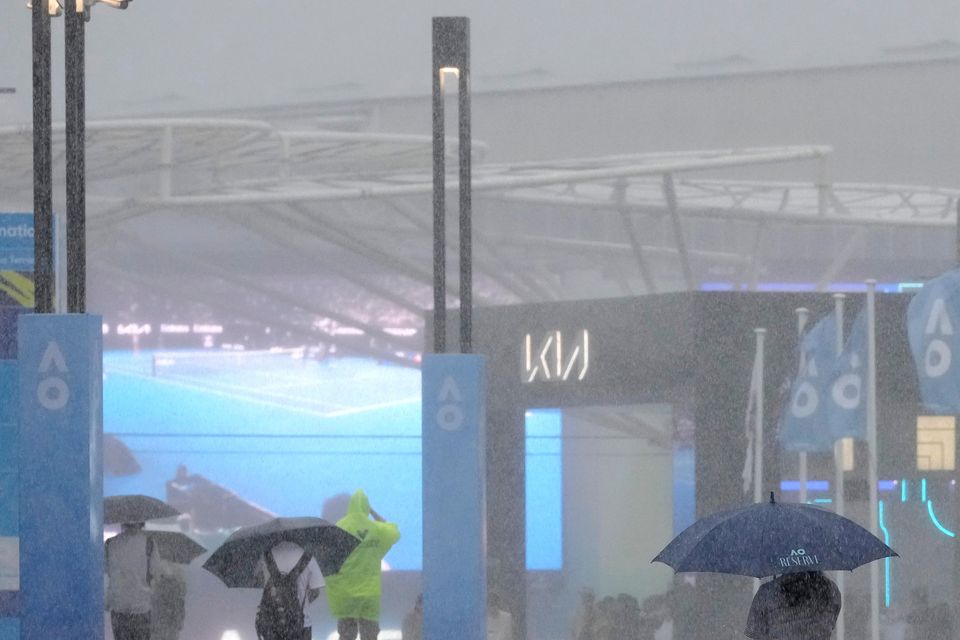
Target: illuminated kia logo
556	357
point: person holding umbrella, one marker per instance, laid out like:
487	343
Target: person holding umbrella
283	557
795	543
130	558
801	606
291	580
354	592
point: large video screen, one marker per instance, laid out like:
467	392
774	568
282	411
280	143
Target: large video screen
234	437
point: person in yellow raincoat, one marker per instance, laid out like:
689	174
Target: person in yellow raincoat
354	592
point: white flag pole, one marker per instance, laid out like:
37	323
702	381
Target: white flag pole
802	315
838	448
758	418
872	451
758	425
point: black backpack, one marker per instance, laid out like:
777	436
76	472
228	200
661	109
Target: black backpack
280	614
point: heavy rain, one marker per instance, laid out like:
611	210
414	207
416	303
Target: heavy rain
479	320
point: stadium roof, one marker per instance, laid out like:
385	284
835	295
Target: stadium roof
325	230
181	56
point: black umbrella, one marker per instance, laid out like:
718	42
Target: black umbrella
235	562
174	546
135	508
772	538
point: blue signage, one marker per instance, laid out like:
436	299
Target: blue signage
61	485
16	241
454	499
9	539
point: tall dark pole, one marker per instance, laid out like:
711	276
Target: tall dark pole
42	169
76	158
451	56
466	243
439	200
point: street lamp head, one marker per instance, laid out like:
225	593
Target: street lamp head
53	8
451	44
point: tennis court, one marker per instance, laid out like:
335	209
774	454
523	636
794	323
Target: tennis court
281	430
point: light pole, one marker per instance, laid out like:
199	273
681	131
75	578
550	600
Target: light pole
77	14
451	57
42	158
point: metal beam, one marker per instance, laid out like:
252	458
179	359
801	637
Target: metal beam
492	267
620	198
269	231
670	193
841	258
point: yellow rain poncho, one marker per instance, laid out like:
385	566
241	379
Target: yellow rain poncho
354	591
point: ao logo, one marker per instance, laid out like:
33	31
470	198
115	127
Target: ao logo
846	389
938	356
806	399
450	413
53	392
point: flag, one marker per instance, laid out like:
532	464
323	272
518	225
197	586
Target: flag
803	421
932	318
750	427
846	404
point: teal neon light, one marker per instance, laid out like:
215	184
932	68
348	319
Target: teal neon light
823	500
886	561
903	490
923	490
936	523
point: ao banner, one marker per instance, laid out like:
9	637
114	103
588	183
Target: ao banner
932	329
803	421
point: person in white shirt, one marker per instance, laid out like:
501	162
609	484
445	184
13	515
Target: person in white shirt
286	555
129	557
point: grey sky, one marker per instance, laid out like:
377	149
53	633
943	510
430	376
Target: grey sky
168	56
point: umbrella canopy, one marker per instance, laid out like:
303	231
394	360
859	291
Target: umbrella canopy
135	508
174	546
772	538
236	560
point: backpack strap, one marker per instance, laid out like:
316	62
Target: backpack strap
149	560
297	570
301	565
271	565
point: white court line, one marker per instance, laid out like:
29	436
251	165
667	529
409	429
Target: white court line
373	407
344	411
224	394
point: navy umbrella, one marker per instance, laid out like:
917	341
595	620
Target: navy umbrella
773	538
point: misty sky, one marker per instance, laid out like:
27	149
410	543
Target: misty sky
170	56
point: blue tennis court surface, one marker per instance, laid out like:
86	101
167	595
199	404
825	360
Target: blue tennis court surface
282	432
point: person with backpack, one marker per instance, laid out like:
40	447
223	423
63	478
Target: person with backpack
129	558
354	592
291	580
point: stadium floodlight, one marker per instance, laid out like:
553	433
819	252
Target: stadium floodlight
451	57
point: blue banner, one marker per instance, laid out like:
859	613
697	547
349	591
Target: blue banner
16	262
803	421
846	406
16	241
932	329
9	503
454	512
60	366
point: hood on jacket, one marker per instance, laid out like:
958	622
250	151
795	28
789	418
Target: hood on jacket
359	504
